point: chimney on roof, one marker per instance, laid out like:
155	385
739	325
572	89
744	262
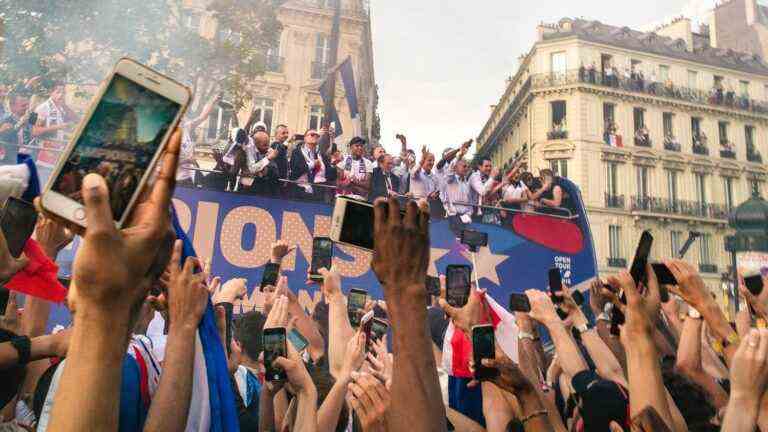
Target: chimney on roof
679	28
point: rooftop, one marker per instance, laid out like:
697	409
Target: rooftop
653	43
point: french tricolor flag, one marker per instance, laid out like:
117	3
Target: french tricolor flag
457	353
212	407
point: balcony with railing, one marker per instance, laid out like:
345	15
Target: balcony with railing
700	149
614	201
557	134
274	63
617	262
637	84
753	155
671	144
708	268
643	141
666	206
726	151
319	70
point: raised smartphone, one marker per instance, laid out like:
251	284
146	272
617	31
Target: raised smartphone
754	284
483	347
355	305
297	340
643	251
322	256
519	303
121	137
458	284
270	275
18	222
352	223
274	347
555	285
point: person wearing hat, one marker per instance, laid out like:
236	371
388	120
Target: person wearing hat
599	402
354	171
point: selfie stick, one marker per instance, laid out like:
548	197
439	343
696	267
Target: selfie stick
474	267
692	236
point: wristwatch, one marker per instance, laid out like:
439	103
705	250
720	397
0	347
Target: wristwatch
23	346
525	335
582	328
693	313
604	317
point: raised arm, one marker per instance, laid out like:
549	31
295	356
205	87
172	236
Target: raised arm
328	414
187	300
689	361
207	109
400	262
340	330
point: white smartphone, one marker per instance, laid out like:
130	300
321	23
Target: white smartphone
121	137
352	222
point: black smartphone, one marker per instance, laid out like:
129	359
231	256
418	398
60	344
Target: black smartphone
274	342
483	347
379	328
754	284
458	280
270	275
665	277
643	251
322	256
578	297
297	340
433	285
355	305
474	238
352	222
519	303
18	223
555	285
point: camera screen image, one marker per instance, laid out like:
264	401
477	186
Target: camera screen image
357	300
357	228
274	347
119	142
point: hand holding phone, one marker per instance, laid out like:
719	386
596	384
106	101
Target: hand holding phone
356	305
458	284
754	283
483	347
519	303
18	222
274	346
270	275
322	257
639	263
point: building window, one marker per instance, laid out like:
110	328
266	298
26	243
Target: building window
705	253
221	121
744	88
663	73
669	129
756	187
558	115
635	66
696	130
693	79
675	243
609	115
642	182
559	63
672	186
728	193
606	62
263	110
701	188
315	116
722	128
559	167
639	117
613	178
614	237
718	81
322	48
331	4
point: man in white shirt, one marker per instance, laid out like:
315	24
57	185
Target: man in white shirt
482	182
354	171
186	174
457	196
53	118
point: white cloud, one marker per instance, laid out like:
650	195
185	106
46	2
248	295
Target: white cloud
696	10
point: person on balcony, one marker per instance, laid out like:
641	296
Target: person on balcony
591	73
642	137
671	142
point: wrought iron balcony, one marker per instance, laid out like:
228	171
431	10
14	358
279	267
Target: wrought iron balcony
672	146
679	207
274	63
643	142
727	154
557	134
708	268
614	201
319	70
700	149
617	262
754	156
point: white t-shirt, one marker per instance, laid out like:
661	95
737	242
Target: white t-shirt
52	116
514	192
186	156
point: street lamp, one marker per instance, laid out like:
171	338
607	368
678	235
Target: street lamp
750	220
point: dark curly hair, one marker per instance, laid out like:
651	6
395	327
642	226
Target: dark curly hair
694	404
248	329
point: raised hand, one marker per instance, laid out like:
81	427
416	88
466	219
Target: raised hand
187	293
749	371
294	368
9	265
467	316
542	308
279	250
278	316
510	377
52	236
11	320
690	286
331	285
355	355
401	249
370	399
232	290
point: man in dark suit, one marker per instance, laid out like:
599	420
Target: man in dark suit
309	166
383	182
281	136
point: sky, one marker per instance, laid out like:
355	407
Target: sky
441	64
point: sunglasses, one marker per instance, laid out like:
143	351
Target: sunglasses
313	134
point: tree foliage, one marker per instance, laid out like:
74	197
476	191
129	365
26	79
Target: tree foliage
77	41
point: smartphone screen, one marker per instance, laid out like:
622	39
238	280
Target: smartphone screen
270	275
379	328
322	256
357	223
519	303
555	284
458	279
356	305
297	340
483	347
474	238
754	284
643	251
274	347
119	142
18	224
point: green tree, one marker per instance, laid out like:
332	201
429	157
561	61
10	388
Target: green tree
77	41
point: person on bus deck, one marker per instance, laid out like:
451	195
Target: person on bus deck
354	171
310	166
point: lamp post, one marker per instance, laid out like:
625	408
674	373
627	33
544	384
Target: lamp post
750	220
